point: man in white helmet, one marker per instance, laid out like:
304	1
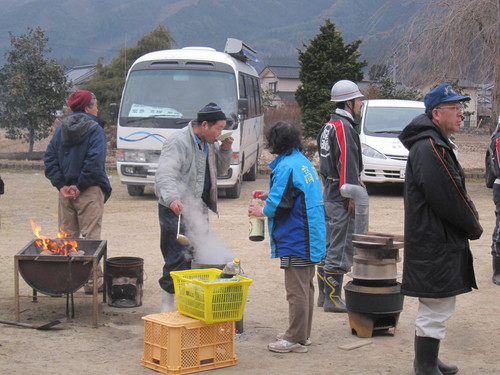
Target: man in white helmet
340	163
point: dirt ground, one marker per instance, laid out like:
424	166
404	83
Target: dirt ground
131	229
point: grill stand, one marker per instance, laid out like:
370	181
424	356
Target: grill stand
95	292
365	324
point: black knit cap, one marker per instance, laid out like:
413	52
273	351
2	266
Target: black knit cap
211	112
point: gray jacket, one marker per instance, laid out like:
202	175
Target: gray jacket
182	166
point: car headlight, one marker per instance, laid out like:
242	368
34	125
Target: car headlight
371	152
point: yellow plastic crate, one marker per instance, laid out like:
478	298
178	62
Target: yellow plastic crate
177	344
207	301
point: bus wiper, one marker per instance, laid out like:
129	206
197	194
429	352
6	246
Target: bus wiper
132	120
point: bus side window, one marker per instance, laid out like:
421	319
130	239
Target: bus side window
243	101
251	97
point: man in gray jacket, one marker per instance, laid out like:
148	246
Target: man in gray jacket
186	180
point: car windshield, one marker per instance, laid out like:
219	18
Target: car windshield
171	98
388	120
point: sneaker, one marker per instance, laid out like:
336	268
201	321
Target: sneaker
280	336
283	346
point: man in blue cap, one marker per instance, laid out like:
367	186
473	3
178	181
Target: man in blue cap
440	219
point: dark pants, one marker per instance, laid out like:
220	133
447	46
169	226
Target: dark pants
177	257
495	246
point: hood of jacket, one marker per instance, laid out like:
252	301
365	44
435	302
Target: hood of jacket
422	127
75	127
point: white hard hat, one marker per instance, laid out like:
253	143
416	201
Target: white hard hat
345	90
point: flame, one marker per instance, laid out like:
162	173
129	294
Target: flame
58	246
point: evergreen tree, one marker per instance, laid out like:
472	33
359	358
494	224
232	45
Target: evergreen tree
32	88
378	71
107	84
388	90
324	61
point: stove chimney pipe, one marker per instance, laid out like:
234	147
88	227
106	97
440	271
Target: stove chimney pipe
360	196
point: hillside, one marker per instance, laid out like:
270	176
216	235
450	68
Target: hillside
81	31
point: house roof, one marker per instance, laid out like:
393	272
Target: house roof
282	71
80	74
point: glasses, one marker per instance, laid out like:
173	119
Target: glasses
456	107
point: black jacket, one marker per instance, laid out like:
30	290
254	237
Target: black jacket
340	160
76	154
440	217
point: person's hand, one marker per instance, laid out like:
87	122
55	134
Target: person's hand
263	194
74	191
69	192
256	210
226	143
350	206
177	207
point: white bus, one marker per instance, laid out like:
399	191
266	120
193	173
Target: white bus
164	91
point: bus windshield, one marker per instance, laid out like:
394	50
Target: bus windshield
171	98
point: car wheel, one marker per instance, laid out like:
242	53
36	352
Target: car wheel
489	176
135	190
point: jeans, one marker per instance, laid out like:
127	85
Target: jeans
176	257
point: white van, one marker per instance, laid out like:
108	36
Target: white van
164	91
382	120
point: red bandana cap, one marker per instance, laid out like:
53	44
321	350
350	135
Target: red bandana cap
79	100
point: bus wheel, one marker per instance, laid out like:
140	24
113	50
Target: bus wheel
234	192
135	190
251	175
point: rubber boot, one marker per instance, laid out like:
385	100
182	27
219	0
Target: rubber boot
321	285
496	270
447	369
426	356
168	303
333	292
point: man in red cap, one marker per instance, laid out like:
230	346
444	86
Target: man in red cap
75	164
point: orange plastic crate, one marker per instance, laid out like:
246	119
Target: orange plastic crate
177	344
200	297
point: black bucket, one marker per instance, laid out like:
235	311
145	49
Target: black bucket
124	279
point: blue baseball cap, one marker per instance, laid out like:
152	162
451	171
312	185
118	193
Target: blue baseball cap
441	94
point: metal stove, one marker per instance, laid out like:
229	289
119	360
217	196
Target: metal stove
373	297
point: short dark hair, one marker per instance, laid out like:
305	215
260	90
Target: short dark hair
283	138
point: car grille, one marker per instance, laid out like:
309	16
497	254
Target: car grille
397	157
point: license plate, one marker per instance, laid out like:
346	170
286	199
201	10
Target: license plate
402	173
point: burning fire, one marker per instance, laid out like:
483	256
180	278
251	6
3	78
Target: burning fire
60	246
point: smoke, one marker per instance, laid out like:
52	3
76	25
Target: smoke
208	247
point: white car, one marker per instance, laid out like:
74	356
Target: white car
382	120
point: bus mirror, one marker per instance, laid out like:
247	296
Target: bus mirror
113	110
243	107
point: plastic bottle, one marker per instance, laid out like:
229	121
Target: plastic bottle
231	269
256	223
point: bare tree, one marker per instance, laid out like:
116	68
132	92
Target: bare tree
452	40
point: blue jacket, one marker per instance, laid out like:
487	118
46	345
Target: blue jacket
76	154
294	206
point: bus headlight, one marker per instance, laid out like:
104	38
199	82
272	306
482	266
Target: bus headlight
132	156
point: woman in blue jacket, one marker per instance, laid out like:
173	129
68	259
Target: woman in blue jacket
296	223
